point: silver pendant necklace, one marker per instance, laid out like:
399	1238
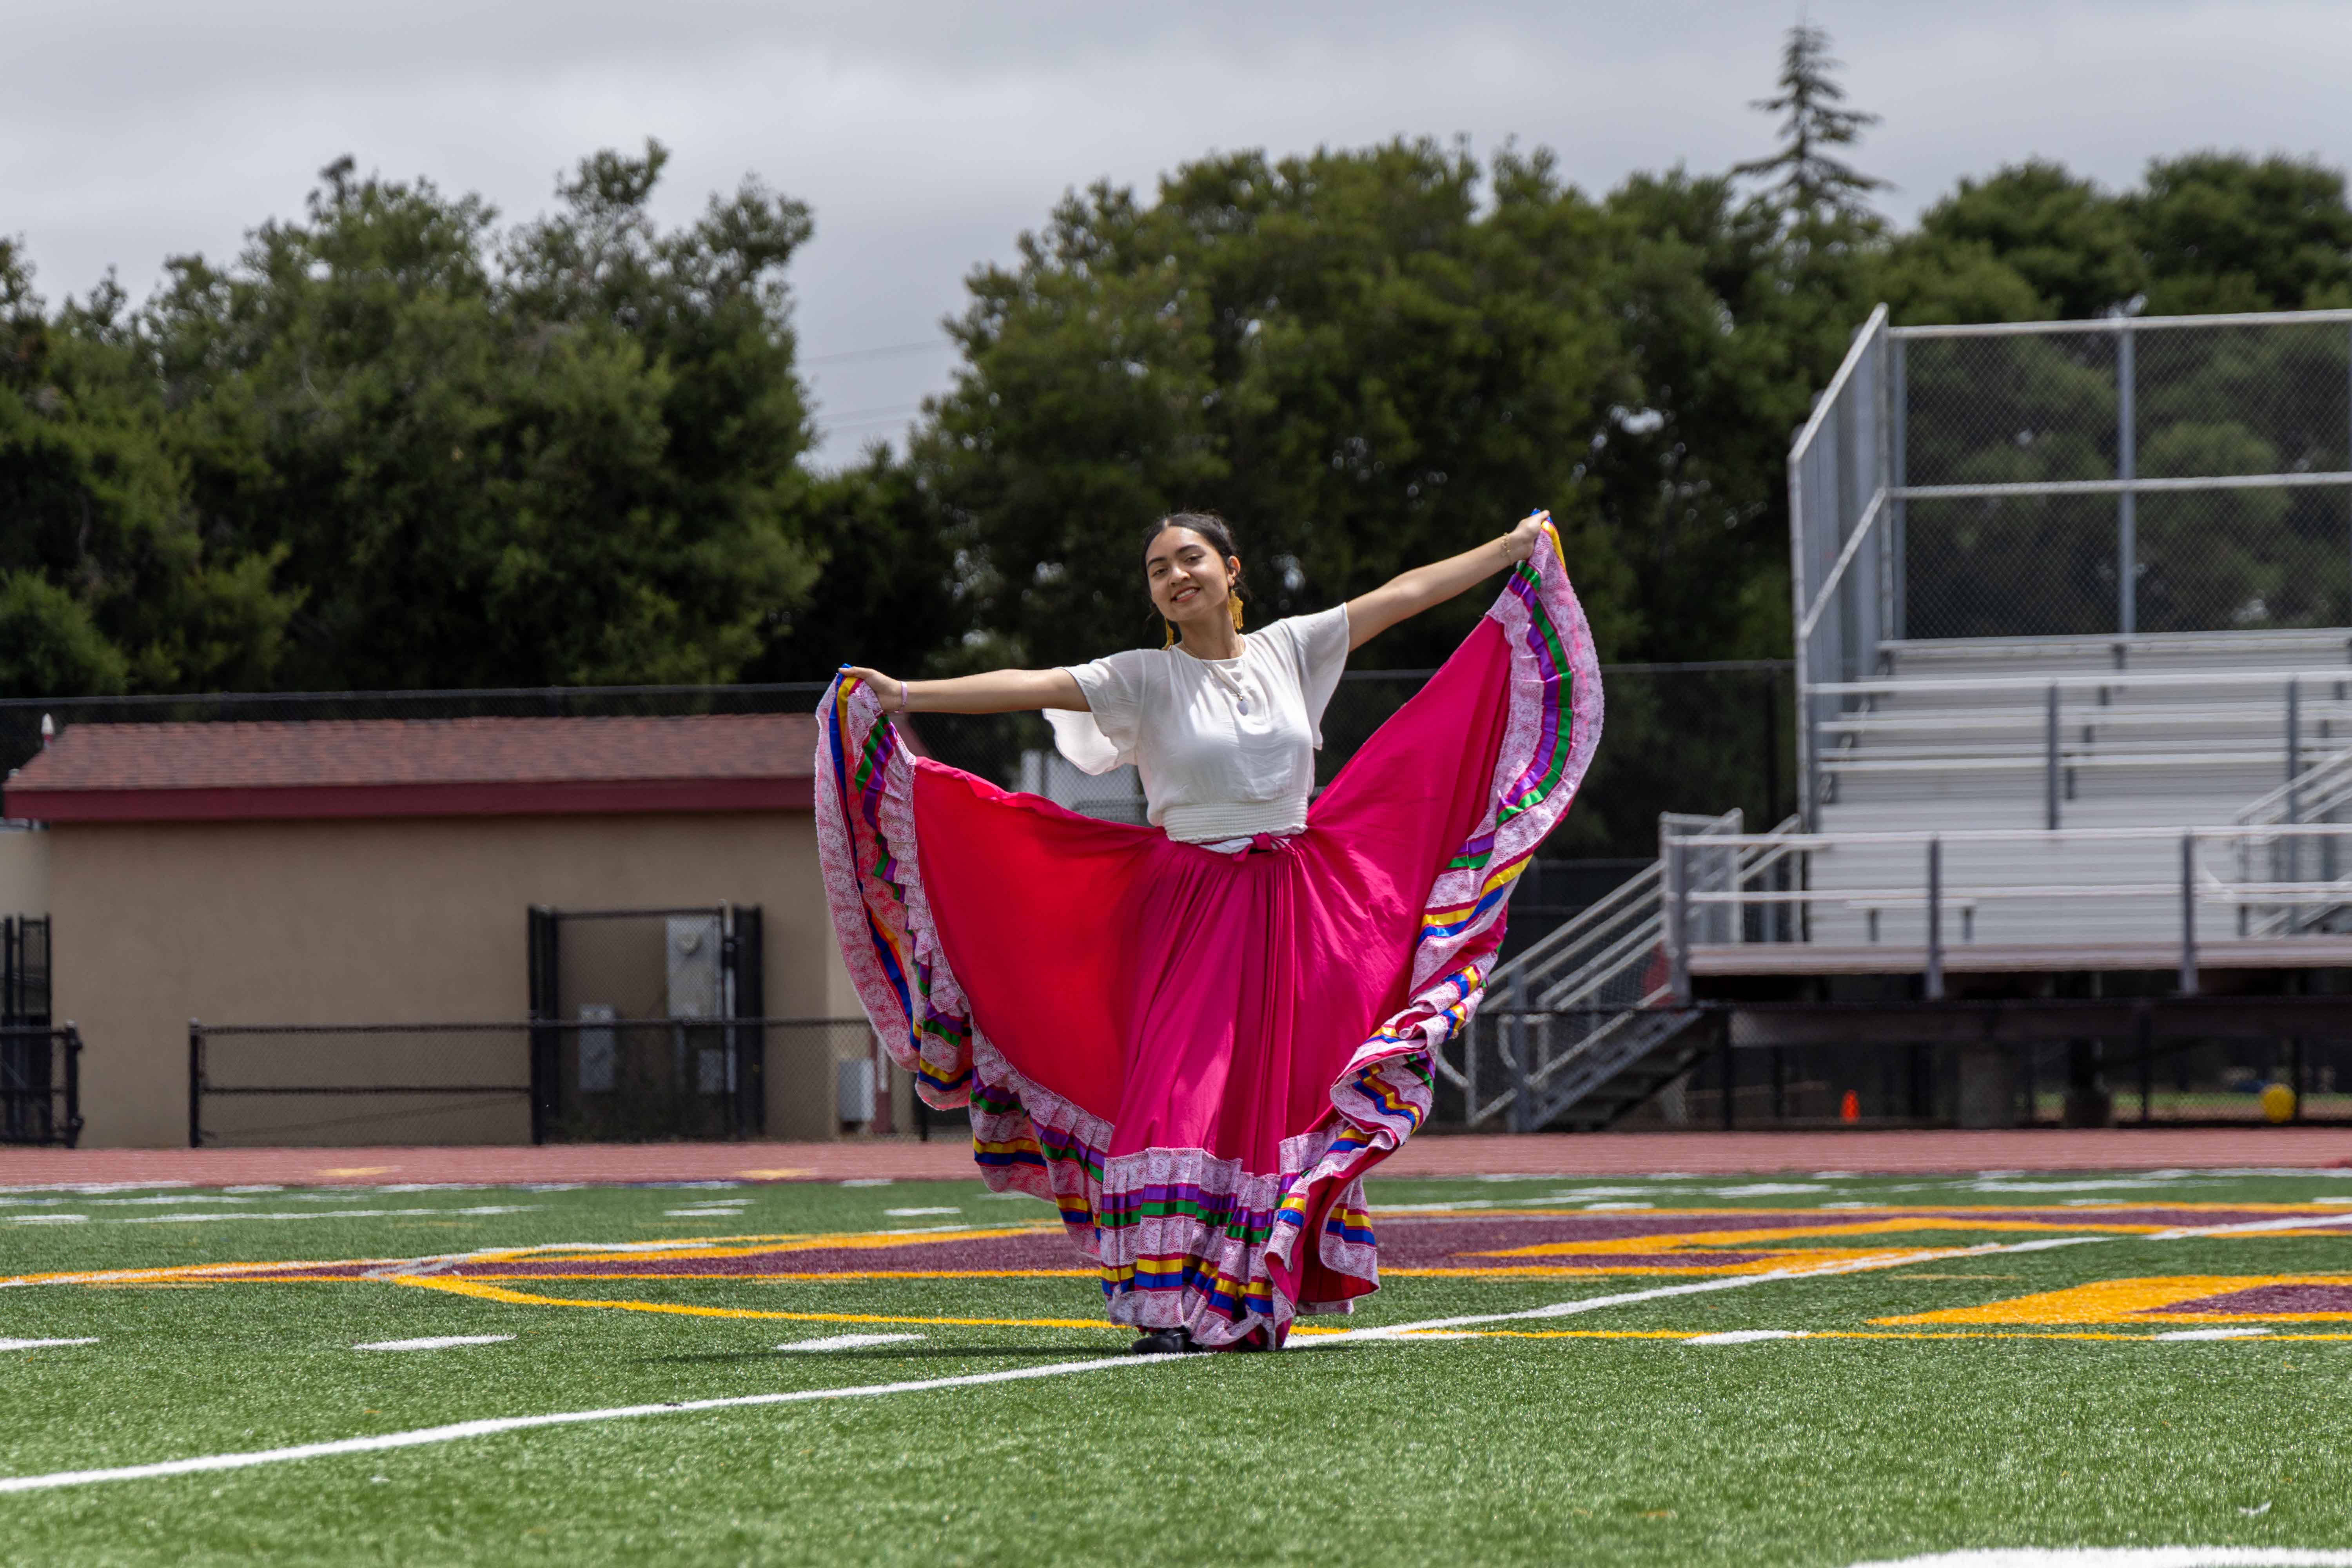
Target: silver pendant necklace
1232	683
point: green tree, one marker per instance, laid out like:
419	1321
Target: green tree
2070	243
106	579
573	463
887	595
1720	348
1340	353
2223	231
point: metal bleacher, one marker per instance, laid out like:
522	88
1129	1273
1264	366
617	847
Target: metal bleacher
2151	732
2074	701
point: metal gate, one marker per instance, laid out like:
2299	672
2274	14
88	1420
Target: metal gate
25	972
654	1018
40	1085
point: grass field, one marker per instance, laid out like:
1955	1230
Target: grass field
1984	1361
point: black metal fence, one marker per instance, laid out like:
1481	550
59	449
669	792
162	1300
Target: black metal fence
530	1081
2193	1083
1710	1083
40	1085
1681	737
2055	1084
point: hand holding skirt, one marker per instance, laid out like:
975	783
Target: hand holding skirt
1198	1056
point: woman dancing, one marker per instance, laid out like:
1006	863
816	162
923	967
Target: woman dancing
1195	1038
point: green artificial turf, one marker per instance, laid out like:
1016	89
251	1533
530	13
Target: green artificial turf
1811	1451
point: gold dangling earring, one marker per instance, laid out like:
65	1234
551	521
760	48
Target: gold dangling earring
1172	634
1233	604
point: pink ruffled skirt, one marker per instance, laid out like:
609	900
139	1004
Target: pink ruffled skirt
1197	1056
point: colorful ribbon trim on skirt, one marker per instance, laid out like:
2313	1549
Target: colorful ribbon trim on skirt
1183	1237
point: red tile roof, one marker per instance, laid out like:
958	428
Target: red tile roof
418	767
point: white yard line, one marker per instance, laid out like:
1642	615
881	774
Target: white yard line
319	1214
458	1431
1694	1287
1746	1336
303	1214
2123	1557
847	1342
2254	1228
441	1342
1628	1298
2158	1557
379	1267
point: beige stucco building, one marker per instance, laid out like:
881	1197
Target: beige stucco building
384	872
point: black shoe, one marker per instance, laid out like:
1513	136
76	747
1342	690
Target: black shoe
1163	1341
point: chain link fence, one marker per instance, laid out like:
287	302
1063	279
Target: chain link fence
2252	419
2093	478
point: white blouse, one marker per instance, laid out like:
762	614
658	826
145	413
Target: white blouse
1226	747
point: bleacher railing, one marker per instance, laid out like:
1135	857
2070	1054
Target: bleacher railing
2124	475
2085	722
2228	897
1594	996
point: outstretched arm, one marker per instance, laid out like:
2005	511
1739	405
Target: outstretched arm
998	691
1408	594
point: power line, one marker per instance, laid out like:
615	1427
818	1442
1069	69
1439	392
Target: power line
870	415
938	343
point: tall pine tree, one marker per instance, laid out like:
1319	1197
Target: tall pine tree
1809	180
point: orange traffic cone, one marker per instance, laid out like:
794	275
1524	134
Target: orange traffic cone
1850	1108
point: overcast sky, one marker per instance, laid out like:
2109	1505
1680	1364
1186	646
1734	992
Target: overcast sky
926	134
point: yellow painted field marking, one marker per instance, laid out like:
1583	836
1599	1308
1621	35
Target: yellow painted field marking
1745	1240
2199	1206
2135	1300
489	1292
844	1276
1828	1334
746	1245
1954	1216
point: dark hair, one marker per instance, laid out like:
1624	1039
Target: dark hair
1209	526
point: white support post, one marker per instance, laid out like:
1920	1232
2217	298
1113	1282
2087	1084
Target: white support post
2188	914
1935	987
1523	1099
1898	466
2127	467
1678	919
2296	912
2049	782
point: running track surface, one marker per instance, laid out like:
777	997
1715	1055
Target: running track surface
1546	1154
